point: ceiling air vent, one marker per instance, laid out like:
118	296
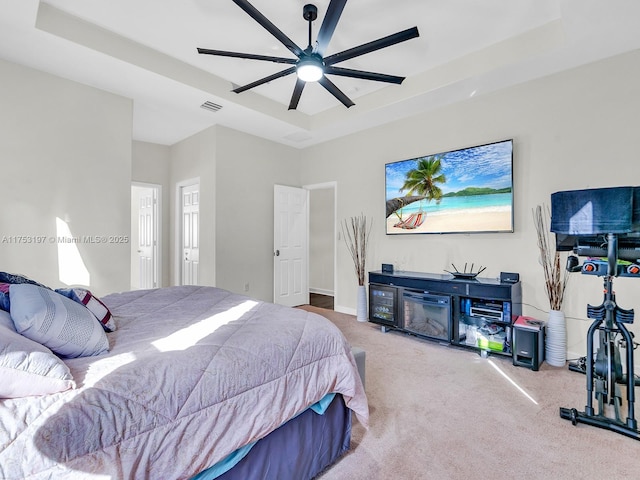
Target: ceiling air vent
214	107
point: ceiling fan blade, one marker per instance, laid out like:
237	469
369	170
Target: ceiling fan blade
336	92
383	42
378	77
275	76
250	56
334	10
297	91
270	27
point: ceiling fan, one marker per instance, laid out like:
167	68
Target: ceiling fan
311	65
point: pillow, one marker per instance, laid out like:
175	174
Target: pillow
55	321
4	297
13	278
6	279
93	304
28	368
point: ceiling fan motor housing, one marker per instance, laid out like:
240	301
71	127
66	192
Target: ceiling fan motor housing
310	12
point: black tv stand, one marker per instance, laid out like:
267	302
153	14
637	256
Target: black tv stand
471	313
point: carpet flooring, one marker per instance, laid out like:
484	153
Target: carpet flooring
441	412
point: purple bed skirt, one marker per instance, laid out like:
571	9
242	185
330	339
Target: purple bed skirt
300	449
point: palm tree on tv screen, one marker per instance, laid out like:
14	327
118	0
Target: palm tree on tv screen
423	179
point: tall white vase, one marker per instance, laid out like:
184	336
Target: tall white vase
361	307
556	339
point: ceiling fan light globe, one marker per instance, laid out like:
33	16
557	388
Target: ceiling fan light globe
309	69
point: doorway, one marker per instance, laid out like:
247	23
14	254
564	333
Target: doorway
322	244
145	235
189	232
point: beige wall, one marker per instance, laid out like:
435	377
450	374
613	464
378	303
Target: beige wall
195	158
65	152
574	130
247	168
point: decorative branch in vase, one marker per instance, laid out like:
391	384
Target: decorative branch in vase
556	277
356	232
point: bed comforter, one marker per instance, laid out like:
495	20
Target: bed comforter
193	373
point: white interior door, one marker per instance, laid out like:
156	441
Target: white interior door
147	203
146	244
290	253
190	206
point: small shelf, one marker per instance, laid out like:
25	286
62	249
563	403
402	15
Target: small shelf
484	324
484	333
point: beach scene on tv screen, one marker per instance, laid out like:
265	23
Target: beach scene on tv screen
466	190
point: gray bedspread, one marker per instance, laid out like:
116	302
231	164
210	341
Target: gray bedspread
192	374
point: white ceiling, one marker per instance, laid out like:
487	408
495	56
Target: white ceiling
146	50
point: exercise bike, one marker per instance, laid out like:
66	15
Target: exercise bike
605	370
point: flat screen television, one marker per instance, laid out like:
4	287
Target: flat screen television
462	191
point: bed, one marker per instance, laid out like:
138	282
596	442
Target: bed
199	383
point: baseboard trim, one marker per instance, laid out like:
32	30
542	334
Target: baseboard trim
321	291
347	310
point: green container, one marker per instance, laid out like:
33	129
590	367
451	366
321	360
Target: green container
492	342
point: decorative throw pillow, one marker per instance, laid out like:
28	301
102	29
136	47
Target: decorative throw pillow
64	326
28	368
93	304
